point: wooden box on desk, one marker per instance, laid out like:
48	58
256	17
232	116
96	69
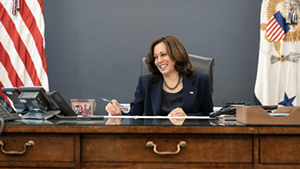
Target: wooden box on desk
258	116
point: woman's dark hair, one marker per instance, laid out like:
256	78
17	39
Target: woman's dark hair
177	53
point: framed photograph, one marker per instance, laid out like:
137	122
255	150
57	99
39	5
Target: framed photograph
83	106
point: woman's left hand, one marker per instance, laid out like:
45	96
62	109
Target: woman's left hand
177	112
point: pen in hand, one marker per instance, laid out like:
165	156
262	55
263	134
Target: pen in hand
109	101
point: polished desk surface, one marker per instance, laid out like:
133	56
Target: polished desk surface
117	125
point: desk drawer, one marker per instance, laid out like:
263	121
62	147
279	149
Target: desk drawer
200	148
280	149
47	147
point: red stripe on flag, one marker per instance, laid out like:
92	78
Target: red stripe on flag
41	5
274	31
4	95
1	92
279	33
19	45
12	74
30	22
270	24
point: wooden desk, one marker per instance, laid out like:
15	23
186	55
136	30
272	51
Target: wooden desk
99	146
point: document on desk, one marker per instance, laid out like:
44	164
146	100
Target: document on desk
159	117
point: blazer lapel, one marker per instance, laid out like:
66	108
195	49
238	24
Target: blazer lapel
189	93
156	95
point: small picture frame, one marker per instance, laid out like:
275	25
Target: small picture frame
83	106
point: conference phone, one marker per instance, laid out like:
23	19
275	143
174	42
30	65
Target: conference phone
6	115
36	104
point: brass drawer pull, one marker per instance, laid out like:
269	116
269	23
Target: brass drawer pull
30	143
151	144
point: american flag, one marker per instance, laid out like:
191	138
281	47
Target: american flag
277	28
22	44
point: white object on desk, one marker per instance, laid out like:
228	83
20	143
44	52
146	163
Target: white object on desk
217	108
279	114
126	106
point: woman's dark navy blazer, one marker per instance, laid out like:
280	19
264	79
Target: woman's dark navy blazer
197	99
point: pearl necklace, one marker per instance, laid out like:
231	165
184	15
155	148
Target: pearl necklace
172	88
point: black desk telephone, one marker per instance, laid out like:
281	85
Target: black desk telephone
232	110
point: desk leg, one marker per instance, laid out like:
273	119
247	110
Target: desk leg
256	151
77	151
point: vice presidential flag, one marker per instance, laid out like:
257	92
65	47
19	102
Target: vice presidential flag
22	45
278	72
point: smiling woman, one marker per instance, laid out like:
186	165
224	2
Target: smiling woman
162	59
177	53
166	66
173	88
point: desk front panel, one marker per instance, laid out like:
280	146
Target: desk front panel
47	147
93	144
200	148
280	149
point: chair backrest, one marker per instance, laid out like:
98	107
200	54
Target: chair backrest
200	64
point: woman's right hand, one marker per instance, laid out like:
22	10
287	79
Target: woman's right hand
113	109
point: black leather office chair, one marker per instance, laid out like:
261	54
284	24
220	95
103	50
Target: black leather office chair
200	64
